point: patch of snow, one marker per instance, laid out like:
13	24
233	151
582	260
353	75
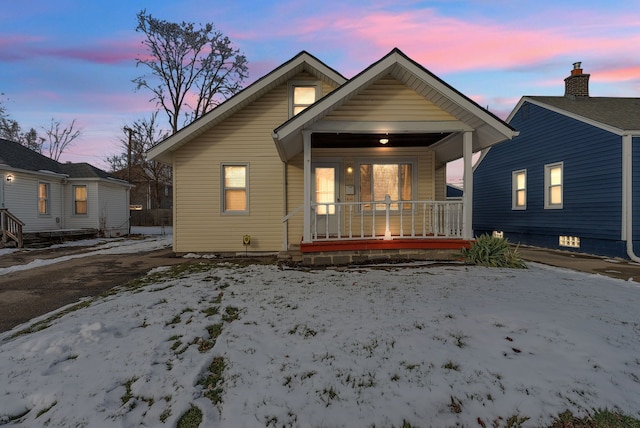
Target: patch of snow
427	344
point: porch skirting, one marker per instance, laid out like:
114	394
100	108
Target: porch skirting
337	252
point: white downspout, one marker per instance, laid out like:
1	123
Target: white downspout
627	194
285	232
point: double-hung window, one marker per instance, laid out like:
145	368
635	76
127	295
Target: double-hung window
235	190
43	198
553	184
377	180
302	95
80	200
519	190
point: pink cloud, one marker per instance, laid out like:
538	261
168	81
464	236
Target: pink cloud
620	74
22	47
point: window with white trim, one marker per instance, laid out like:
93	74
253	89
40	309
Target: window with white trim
43	198
302	95
519	190
553	185
235	190
377	180
80	200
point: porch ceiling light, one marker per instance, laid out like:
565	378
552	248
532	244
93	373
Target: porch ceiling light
384	140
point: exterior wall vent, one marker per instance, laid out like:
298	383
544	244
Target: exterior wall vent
569	241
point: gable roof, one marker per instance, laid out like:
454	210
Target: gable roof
301	62
617	115
16	156
489	128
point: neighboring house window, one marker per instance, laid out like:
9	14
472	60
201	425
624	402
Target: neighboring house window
43	198
519	179
379	180
235	195
553	184
302	96
80	199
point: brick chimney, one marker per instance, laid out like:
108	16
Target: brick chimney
576	85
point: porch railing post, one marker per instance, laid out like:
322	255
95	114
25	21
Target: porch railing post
387	230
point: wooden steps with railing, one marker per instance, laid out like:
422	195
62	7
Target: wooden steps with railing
11	228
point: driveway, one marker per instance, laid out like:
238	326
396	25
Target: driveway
30	293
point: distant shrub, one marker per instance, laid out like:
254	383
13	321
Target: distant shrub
493	252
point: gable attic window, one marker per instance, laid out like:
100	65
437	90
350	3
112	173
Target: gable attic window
43	198
301	96
235	194
553	184
519	185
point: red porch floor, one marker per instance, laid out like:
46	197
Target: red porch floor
381	244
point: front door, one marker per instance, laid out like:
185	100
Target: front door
326	191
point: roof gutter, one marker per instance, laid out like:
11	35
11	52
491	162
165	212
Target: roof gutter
627	194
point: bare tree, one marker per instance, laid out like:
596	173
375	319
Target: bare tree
58	138
137	138
10	130
188	65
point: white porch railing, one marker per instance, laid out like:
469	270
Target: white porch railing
386	219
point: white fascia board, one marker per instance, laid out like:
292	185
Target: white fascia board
329	102
445	90
238	101
408	127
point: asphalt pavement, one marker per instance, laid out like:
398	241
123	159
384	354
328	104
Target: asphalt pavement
608	266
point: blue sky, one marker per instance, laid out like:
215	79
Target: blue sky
75	59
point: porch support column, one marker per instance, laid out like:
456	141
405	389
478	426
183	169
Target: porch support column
306	138
467	196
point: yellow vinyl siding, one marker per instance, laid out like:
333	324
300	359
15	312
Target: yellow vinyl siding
389	100
245	137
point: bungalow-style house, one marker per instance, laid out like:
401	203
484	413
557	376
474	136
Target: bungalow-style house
571	178
41	196
338	169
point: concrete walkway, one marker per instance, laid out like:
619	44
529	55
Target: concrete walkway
615	268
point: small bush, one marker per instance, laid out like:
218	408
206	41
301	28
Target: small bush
493	252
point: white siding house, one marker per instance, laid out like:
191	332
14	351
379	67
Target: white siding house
45	196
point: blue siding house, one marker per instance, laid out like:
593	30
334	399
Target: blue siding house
570	179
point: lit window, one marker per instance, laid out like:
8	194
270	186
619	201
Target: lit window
234	188
519	198
302	96
43	198
553	183
569	241
80	200
379	180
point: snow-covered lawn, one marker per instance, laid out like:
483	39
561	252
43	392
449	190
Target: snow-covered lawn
424	344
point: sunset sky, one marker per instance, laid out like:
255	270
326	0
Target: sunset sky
75	59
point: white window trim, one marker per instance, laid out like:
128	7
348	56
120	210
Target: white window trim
547	179
514	190
223	189
387	161
73	190
303	83
48	200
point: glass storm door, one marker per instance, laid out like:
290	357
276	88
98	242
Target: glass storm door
325	191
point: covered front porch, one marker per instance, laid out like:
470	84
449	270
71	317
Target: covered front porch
365	166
